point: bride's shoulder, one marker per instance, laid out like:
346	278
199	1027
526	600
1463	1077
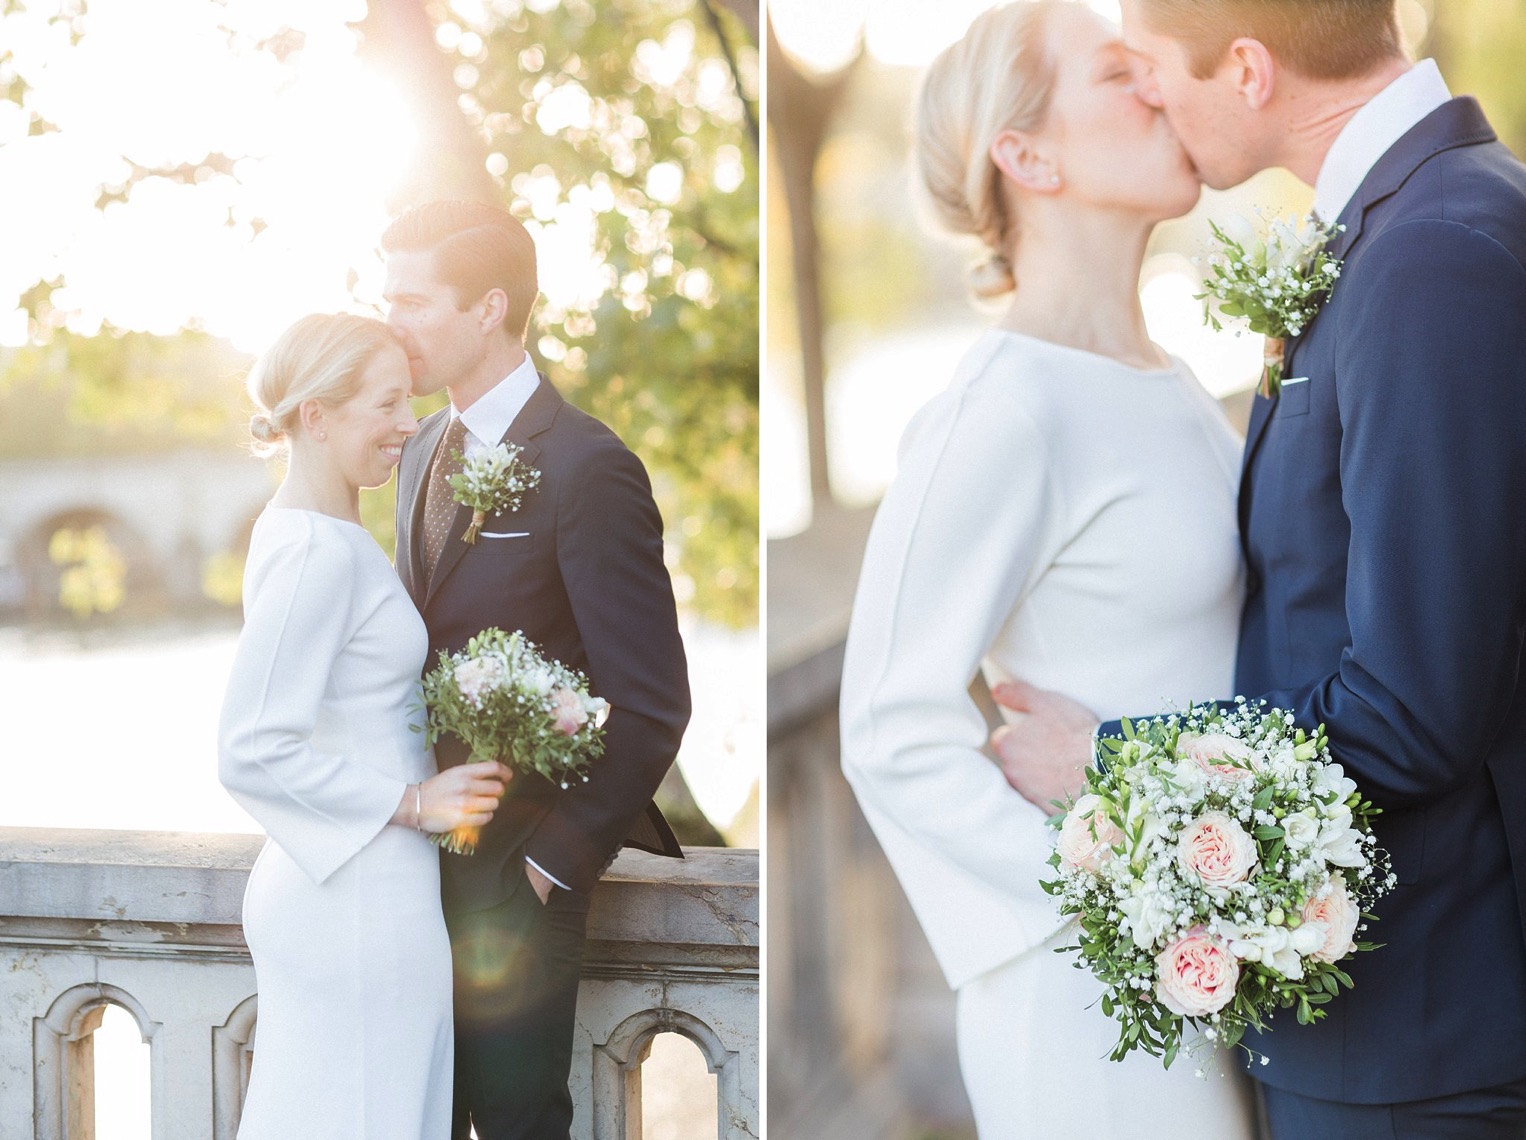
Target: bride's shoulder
1002	381
288	536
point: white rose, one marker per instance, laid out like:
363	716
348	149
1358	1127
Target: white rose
1190	778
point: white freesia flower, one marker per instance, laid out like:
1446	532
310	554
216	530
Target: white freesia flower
1331	778
1149	915
1339	842
1240	230
1302	829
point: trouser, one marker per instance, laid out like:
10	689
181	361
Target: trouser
517	967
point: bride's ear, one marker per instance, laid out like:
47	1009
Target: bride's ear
1253	71
1025	162
310	414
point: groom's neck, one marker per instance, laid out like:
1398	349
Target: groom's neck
500	357
1316	111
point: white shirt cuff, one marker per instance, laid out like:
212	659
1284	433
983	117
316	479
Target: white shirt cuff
554	880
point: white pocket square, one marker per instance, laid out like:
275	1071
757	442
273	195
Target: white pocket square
1291	380
504	534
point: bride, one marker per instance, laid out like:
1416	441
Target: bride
1065	512
342	912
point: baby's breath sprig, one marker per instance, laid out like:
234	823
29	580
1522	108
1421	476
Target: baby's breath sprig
495	480
1276	283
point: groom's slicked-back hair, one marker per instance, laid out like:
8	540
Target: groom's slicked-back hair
477	247
1320	39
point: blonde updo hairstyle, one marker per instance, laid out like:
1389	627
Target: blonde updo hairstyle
319	358
999	76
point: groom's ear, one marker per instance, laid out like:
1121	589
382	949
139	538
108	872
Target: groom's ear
1252	70
493	306
1025	161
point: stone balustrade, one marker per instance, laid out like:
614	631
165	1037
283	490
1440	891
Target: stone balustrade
149	921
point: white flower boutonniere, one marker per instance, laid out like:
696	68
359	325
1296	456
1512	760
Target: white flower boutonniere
1276	283
495	480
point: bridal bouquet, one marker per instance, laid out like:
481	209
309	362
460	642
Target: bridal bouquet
1219	867
495	480
508	702
1276	282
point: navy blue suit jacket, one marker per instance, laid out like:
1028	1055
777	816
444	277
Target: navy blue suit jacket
1383	515
584	579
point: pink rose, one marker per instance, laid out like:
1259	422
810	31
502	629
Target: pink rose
1216	849
1196	974
1217	754
567	709
1339	915
1087	835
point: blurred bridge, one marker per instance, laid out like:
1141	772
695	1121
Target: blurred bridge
164	514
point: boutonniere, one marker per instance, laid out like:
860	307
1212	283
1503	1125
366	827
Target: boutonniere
1276	283
494	480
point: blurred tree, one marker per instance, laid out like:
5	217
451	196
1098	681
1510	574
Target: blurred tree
1479	44
624	133
801	109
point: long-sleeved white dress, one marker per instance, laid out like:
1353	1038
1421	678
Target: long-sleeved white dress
342	912
1059	517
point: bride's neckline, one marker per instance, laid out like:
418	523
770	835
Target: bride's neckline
318	514
1169	369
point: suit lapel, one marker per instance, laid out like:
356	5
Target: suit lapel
1459	122
534	418
411	476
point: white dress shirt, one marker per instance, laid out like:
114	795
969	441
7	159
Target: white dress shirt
487	421
1369	134
491	415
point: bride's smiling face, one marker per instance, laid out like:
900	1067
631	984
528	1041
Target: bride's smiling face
1108	147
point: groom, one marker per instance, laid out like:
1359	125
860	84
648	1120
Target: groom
578	567
1383	519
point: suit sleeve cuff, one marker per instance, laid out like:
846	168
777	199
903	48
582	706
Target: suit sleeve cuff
554	880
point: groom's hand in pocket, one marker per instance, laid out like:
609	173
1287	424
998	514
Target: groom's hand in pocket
1045	752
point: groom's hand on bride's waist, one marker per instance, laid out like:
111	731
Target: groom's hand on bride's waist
1045	752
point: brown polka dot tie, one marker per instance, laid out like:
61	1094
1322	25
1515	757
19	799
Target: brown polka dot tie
439	507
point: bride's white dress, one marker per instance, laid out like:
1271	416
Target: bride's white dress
1062	518
342	912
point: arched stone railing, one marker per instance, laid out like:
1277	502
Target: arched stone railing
149	921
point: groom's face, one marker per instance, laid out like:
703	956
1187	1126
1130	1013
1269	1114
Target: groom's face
1209	115
443	341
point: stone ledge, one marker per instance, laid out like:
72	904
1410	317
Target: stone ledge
142	888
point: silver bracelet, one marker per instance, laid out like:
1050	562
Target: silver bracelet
418	807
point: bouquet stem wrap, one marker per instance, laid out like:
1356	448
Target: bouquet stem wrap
474	528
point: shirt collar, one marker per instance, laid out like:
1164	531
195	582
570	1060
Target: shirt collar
1384	120
492	413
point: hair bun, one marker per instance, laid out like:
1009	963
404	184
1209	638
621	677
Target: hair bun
263	428
992	277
